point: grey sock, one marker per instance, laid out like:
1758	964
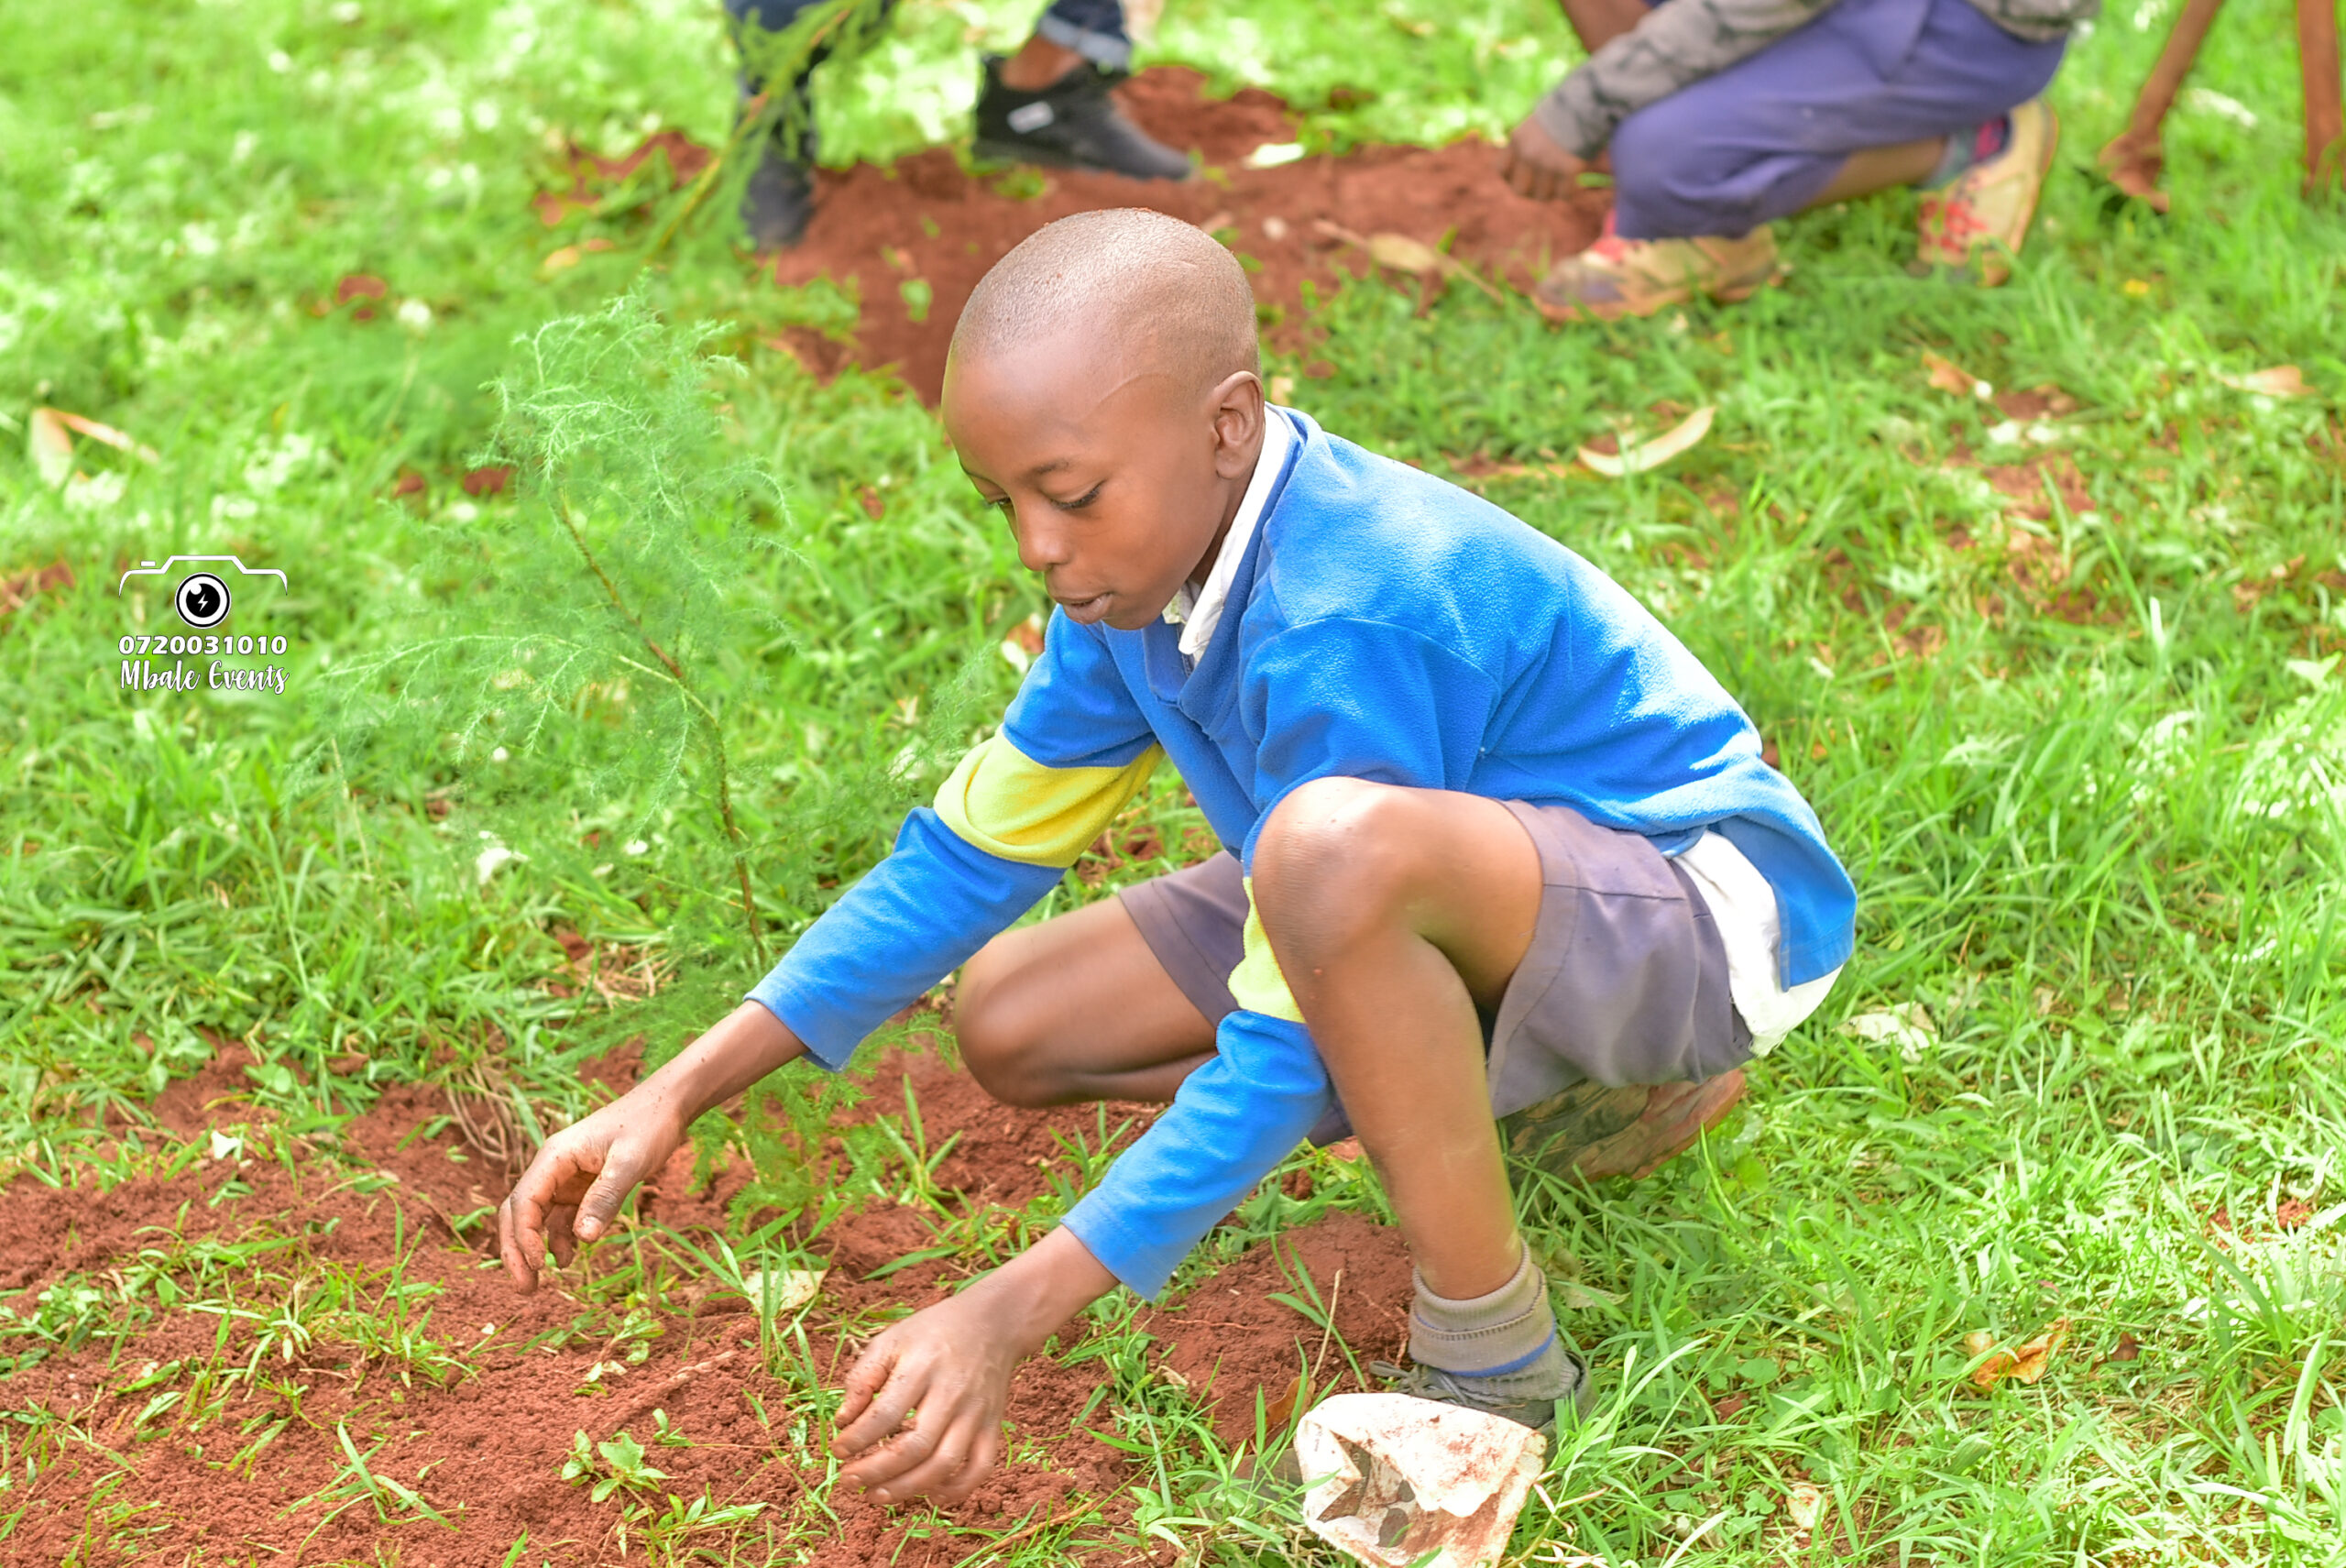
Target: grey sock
1508	1331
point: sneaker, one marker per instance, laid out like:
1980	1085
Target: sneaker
1978	220
1590	1132
778	203
1531	1398
1071	124
1616	276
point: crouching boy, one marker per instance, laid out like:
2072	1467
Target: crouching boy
1494	842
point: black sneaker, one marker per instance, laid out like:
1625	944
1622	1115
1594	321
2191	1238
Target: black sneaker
1071	124
778	203
1531	1397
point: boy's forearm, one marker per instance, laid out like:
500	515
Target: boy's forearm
746	1045
1034	1294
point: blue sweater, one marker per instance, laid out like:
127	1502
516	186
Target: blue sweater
1385	625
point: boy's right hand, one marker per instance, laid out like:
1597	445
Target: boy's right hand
572	1191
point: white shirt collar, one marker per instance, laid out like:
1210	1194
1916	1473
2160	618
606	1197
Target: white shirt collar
1198	610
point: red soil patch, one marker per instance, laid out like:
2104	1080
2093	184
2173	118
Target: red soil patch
483	1442
924	220
1002	1153
1228	1338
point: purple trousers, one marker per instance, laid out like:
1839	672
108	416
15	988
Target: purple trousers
1763	137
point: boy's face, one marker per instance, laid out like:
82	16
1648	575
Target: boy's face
1117	479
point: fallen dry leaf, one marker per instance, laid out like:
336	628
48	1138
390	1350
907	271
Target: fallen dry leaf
48	440
1950	377
1638	458
2278	381
1906	1025
2128	1348
2025	1363
565	258
1574	1296
1281	1410
18	591
1805	1503
1402	253
360	287
80	425
792	1287
50	447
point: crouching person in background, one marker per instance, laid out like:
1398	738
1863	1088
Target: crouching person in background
1720	116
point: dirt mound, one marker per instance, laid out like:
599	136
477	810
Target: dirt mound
917	237
1228	1338
1003	1154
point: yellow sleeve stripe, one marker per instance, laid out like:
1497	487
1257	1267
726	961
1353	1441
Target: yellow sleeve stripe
1257	982
1007	804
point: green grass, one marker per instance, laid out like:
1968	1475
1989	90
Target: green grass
2098	839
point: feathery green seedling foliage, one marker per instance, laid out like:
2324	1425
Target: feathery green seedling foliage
597	602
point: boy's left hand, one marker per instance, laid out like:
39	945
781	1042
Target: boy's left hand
925	1402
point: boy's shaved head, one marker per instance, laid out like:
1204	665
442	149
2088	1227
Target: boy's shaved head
1105	393
1140	286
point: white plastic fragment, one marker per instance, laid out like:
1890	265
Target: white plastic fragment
1399	1480
1272	154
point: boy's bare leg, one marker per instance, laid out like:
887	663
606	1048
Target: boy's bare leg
1077	1009
1394	914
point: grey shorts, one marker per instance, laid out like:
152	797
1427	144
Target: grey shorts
1625	981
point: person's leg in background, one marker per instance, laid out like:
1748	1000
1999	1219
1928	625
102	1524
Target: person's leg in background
779	200
1873	93
1049	103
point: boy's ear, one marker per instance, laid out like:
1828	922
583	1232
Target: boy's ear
1237	406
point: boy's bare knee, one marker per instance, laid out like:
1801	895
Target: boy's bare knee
1333	862
999	1031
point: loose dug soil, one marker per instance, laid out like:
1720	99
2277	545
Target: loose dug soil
486	1447
1002	1153
924	220
1229	1338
